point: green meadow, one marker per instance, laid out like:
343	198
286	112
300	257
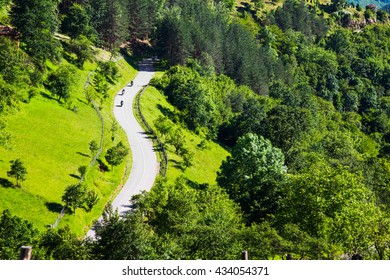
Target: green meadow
52	139
206	161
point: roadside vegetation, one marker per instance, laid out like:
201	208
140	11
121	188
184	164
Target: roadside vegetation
205	156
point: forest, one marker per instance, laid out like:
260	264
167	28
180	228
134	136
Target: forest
298	92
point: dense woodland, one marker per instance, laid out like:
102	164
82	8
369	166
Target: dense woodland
299	94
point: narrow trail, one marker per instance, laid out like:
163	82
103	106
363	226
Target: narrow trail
145	166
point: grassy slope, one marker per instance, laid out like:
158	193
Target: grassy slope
52	141
206	162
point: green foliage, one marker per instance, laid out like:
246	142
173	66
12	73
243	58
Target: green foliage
332	205
252	176
5	136
37	21
193	217
101	87
17	171
82	48
297	16
15	67
93	147
76	22
124	239
163	126
62	244
74	196
110	20
286	126
14	233
79	196
109	70
59	82
116	154
82	170
176	139
143	15
262	241
8	95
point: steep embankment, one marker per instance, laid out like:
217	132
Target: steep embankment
207	155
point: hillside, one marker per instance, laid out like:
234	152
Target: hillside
275	117
379	3
53	143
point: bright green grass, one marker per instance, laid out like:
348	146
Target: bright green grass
52	141
108	183
206	161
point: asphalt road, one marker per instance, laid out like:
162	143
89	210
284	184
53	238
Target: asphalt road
145	165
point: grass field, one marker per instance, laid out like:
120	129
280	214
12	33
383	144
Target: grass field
206	161
52	141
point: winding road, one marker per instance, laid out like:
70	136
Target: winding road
145	166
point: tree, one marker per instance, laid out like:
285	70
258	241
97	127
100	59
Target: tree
4	3
93	147
192	218
114	129
8	95
37	21
62	244
82	170
76	22
74	196
109	70
333	206
262	241
163	125
14	233
60	81
129	238
5	136
18	171
14	64
116	154
113	22
286	126
176	139
82	48
188	157
252	176
142	14
100	85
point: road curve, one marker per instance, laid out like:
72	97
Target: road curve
145	166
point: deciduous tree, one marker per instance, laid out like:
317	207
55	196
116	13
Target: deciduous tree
252	176
18	171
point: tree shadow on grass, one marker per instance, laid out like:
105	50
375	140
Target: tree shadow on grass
196	185
5	183
82	101
54	207
102	166
45	95
81	154
176	164
167	112
75	176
